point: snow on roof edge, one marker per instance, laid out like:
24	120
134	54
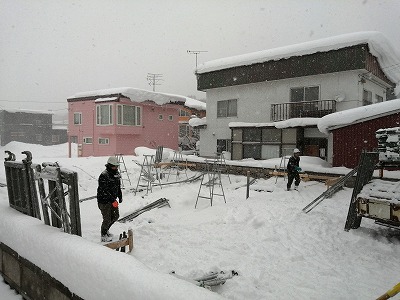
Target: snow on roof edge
356	115
139	95
378	44
294	122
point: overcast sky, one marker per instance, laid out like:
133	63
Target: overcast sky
52	49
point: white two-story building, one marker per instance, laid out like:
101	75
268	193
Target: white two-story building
262	105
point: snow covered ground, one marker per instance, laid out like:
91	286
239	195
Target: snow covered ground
278	251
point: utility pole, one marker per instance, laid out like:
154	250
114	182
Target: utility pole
154	79
196	52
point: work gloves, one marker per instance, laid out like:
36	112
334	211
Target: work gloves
298	169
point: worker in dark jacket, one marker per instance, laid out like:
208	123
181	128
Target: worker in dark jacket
109	194
293	170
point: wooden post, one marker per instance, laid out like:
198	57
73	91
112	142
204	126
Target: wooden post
74	209
130	240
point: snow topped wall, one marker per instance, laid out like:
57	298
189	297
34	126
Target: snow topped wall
89	270
139	95
378	44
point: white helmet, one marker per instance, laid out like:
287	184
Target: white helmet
112	160
296	150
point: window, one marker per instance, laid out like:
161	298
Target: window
237	135
74	139
87	140
251	134
160	117
271	135
104	114
367	97
17	134
183	113
378	99
104	141
184	130
252	151
227	108
77	118
128	115
262	143
39	137
170	118
223	145
55	138
300	94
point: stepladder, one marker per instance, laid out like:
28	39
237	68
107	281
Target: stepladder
148	174
175	168
123	171
211	184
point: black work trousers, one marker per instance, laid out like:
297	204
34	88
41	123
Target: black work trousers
293	176
110	216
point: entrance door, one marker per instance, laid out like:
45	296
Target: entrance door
311	150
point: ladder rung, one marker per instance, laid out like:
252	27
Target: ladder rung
204	197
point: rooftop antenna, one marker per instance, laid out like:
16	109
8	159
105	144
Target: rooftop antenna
154	79
196	52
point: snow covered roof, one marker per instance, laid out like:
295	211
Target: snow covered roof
295	122
358	114
105	99
379	46
30	111
195	122
139	95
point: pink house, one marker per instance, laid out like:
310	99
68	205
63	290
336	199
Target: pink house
116	121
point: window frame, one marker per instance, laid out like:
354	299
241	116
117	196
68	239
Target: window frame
85	140
367	101
79	114
106	141
304	96
231	109
184	113
99	119
136	112
55	138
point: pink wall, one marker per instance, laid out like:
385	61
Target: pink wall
124	139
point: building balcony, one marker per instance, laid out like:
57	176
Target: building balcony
304	109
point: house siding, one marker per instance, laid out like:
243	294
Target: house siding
254	102
31	128
123	139
345	59
350	141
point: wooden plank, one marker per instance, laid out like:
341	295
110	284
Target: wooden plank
123	242
117	244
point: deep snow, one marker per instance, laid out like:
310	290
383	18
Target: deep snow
278	251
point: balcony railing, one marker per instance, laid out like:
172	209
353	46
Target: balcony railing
304	109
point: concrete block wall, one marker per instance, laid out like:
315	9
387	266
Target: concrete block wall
29	280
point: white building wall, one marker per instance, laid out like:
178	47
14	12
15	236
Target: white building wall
254	101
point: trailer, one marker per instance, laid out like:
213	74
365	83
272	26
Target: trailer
380	200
